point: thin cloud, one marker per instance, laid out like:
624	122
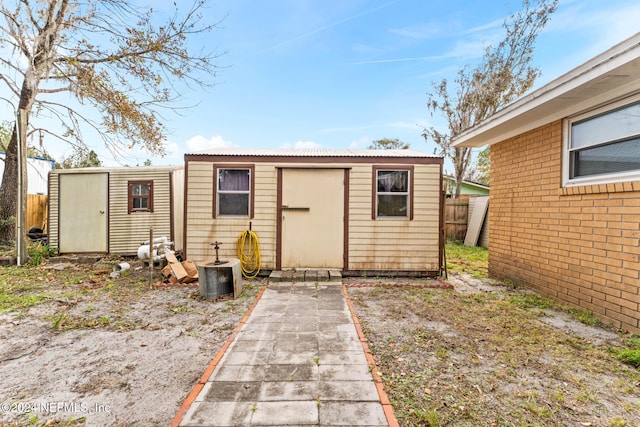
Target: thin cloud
406	59
488	26
433	30
439	73
605	26
201	143
422	31
461	50
405	125
326	27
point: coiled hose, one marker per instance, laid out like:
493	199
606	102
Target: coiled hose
249	253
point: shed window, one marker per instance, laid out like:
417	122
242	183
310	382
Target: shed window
140	196
392	193
233	192
604	146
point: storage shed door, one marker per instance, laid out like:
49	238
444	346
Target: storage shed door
83	212
312	218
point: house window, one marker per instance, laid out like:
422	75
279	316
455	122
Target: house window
393	193
140	196
233	192
603	146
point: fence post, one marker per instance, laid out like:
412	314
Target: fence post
21	240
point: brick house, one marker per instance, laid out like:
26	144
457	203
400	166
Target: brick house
565	187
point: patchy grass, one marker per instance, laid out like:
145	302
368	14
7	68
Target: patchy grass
83	296
474	262
20	288
28	286
631	355
484	358
584	316
471	260
452	359
531	301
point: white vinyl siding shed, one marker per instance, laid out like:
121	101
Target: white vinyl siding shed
124	230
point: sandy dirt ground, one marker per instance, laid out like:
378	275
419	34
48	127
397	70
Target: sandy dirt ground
107	357
99	351
486	354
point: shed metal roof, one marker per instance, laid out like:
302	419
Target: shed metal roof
266	152
105	169
614	74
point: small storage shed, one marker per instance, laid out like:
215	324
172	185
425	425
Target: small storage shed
111	210
374	211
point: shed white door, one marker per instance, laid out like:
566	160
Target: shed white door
83	212
312	218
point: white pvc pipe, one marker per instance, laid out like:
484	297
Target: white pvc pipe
123	266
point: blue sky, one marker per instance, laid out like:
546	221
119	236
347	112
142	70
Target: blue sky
342	73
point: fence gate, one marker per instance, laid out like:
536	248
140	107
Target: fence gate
456	217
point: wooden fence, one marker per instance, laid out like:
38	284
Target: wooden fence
37	211
456	214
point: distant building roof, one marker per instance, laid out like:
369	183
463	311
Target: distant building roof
38	169
466	181
468	187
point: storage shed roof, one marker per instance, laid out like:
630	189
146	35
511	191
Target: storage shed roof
259	152
134	169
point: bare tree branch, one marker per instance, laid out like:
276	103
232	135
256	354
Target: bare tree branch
503	74
122	60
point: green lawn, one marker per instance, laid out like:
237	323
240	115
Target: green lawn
472	260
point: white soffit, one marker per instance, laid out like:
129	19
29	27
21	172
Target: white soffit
611	75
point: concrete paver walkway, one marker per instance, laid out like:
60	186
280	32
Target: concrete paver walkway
297	360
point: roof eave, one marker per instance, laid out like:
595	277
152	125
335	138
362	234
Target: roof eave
613	74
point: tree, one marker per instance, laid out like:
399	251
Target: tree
389	144
480	173
81	158
483	164
109	55
503	74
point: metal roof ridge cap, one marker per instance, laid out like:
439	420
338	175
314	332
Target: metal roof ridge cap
327	152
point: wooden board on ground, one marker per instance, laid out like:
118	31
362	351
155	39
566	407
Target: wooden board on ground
477	219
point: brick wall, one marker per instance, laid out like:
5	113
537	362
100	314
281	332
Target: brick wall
580	245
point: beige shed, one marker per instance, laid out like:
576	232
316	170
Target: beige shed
359	211
111	210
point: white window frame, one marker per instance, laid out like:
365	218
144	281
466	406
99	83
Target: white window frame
407	194
609	178
219	192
